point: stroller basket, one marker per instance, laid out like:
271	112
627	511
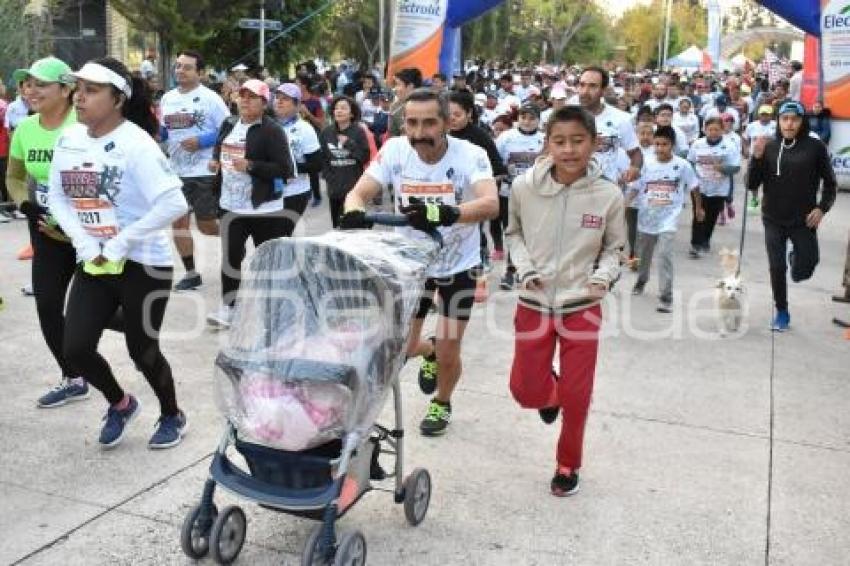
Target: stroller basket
308	469
283	480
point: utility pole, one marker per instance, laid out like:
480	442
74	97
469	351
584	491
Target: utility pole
262	33
381	23
667	23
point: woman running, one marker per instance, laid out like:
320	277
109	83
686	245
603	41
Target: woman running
54	260
346	152
115	194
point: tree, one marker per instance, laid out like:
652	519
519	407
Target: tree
556	21
644	30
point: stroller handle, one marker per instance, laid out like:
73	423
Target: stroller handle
391	219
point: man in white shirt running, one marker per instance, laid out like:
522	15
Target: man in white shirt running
456	179
191	117
614	128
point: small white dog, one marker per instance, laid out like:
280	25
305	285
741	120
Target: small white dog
730	294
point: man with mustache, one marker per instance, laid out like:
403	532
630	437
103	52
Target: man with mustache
441	183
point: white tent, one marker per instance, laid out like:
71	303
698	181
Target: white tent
690	58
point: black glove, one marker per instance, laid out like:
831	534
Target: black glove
31	210
426	217
354	220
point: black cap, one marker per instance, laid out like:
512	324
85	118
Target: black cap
529	109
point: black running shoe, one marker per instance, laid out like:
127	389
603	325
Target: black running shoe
190	282
563	485
437	419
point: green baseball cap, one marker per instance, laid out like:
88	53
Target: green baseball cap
48	70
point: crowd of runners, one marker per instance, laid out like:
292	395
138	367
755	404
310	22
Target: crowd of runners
558	177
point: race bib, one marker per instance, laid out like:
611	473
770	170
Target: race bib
97	216
706	167
427	192
520	161
660	193
229	153
95	211
41	194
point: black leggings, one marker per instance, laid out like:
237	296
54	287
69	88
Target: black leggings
701	231
237	228
804	257
631	229
4	192
315	187
337	205
142	293
504	208
53	266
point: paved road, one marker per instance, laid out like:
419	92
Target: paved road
699	450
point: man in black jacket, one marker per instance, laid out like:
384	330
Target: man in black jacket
791	168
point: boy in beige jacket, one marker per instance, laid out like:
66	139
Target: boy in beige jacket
565	233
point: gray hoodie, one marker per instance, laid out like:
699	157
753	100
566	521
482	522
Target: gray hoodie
569	236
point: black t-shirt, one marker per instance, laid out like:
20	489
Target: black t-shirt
476	135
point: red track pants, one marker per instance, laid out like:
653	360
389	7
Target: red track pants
532	384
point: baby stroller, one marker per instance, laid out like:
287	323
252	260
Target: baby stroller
317	342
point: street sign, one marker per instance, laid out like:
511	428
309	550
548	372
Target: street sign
249	23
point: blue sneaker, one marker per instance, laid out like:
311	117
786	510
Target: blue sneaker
115	423
67	391
169	431
781	322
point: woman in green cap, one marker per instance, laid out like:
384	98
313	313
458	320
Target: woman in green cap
54	259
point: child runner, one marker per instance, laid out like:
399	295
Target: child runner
566	233
715	159
659	195
645	132
519	147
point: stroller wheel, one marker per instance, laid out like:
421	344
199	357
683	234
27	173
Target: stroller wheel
194	536
228	534
351	550
417	495
312	554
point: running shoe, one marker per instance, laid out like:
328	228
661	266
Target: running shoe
169	431
18	215
565	482
638	289
116	422
508	281
437	419
550	414
221	318
428	371
27	291
665	307
68	391
781	322
25	253
498	255
694	253
190	282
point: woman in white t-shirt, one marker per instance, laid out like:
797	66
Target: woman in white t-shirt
254	162
114	194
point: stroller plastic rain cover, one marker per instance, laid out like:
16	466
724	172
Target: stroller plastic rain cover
318	334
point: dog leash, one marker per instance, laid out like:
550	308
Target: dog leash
743	231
